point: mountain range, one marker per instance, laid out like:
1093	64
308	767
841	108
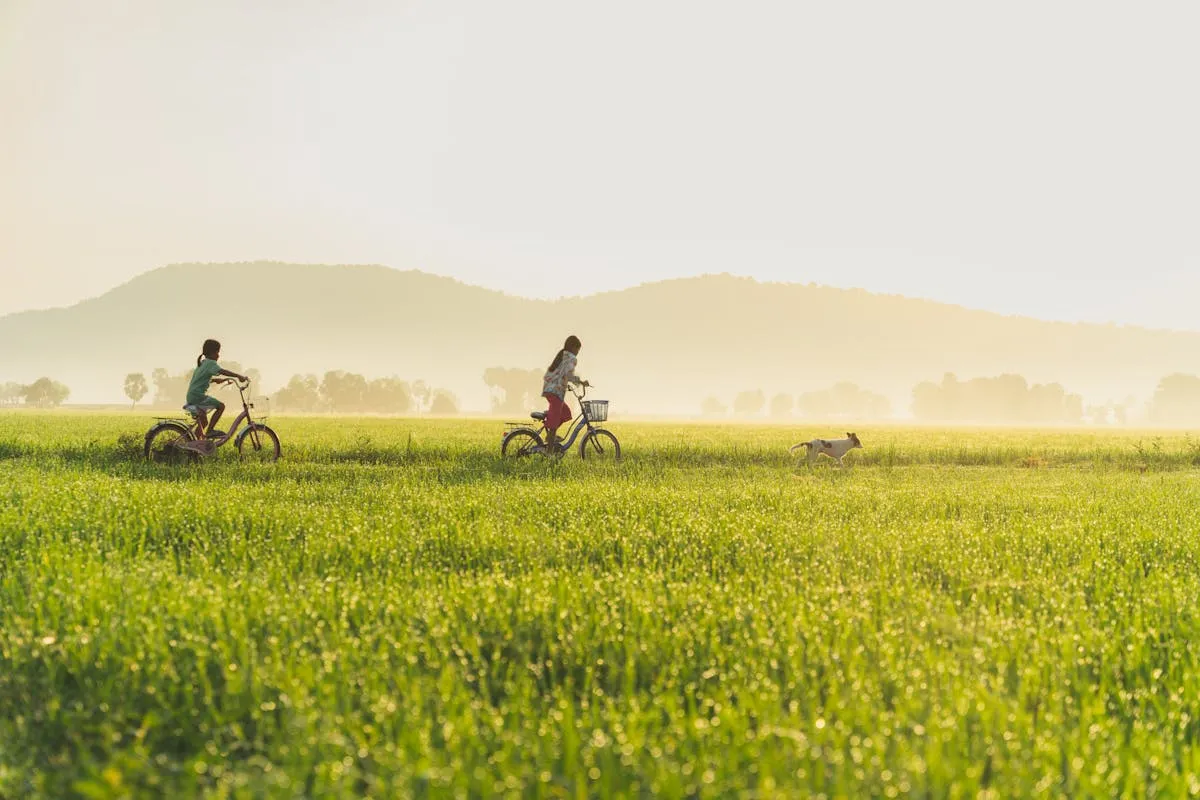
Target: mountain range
656	348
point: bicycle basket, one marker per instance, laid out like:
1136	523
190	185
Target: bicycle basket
262	408
597	410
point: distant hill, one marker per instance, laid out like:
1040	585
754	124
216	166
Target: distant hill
659	347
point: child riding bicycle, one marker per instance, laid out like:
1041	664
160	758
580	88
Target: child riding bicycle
208	371
554	388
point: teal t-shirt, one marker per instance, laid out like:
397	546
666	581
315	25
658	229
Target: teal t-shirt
201	378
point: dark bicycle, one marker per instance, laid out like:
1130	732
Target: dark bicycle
175	441
521	440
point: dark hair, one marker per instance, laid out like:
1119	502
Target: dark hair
573	344
209	350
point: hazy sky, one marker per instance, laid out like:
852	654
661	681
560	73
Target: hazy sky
1027	157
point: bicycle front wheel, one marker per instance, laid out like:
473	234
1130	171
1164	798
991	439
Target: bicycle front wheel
600	445
258	443
521	443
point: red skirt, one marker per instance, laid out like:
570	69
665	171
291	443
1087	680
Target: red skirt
558	413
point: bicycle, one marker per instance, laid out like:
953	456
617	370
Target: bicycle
175	441
521	440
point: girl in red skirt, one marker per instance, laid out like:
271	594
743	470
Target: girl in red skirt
554	388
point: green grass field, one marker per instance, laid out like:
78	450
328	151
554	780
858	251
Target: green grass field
391	610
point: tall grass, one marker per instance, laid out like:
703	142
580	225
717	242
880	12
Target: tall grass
391	610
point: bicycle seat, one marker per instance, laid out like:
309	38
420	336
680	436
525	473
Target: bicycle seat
538	414
193	410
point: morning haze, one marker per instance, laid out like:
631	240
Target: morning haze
672	347
1029	159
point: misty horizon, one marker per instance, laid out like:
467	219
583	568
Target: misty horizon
664	347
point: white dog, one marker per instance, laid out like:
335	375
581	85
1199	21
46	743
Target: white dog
834	448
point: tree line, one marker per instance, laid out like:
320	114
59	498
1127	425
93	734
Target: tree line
1003	398
1006	398
337	391
42	393
350	393
843	399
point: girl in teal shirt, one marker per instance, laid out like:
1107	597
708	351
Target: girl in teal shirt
209	371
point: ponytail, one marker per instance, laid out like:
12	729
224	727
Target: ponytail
199	358
557	360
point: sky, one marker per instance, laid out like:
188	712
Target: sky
1035	158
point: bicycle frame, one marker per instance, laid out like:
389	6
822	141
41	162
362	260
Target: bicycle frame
233	427
577	427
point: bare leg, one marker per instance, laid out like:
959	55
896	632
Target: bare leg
217	412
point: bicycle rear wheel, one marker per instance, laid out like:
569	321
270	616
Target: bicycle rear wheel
521	443
600	445
163	445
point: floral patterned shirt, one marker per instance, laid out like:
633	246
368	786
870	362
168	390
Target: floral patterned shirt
555	381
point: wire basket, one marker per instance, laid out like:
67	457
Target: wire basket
596	410
261	407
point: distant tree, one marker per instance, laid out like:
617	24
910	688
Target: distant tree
1176	401
1072	409
1113	413
11	393
1004	398
514	390
843	400
1122	410
344	392
302	393
444	403
135	388
781	405
749	402
422	393
388	396
45	393
1045	402
712	407
169	390
250	372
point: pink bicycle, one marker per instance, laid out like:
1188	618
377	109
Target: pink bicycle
176	441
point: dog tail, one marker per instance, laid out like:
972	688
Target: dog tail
792	449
